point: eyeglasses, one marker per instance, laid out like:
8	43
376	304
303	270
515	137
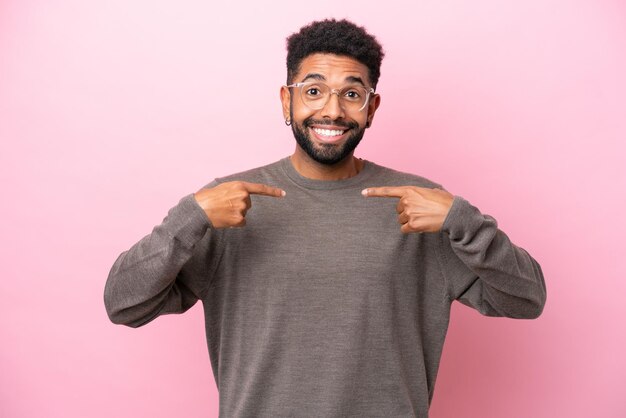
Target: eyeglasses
316	94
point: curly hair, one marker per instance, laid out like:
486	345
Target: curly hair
340	37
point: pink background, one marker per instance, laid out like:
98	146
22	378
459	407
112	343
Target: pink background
111	111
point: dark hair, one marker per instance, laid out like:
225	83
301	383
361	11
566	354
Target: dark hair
340	37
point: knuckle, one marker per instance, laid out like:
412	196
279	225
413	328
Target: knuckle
414	224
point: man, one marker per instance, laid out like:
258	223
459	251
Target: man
326	279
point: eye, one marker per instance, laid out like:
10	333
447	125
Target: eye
313	91
352	95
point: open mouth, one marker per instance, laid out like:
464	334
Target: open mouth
328	135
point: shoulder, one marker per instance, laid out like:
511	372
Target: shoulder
386	176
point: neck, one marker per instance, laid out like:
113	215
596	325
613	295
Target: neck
309	168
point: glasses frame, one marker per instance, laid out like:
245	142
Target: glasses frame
369	91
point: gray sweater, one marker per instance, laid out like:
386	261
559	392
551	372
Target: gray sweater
320	306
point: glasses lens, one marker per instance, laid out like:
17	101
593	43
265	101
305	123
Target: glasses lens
353	97
315	95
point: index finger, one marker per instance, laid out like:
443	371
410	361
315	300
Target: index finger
398	191
262	189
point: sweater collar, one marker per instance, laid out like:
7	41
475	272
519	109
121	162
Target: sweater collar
308	183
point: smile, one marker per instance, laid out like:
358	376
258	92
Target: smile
328	132
329	136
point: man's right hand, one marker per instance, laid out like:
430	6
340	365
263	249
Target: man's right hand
227	203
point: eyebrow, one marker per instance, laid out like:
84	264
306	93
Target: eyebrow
320	77
314	76
353	79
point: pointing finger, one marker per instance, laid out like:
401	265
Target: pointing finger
262	189
384	191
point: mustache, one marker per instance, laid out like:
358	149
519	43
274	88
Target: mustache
348	125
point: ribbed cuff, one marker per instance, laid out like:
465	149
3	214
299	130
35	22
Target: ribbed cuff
187	222
463	220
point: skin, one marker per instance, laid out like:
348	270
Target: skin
227	203
418	210
336	71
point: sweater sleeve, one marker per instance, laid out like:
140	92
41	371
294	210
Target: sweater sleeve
484	269
165	272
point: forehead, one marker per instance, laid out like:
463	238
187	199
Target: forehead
335	68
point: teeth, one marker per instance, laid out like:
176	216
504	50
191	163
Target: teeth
328	132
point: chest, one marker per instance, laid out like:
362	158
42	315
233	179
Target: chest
336	242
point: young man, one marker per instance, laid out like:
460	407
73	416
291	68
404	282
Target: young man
326	280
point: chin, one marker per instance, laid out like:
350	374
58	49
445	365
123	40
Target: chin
328	154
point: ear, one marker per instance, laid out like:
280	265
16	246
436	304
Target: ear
371	108
285	96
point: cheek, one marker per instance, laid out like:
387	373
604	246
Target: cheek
361	117
300	113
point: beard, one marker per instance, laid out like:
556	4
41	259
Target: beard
327	154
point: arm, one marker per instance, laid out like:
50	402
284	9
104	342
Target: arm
149	279
484	269
168	270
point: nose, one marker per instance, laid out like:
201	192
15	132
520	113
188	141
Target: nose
333	108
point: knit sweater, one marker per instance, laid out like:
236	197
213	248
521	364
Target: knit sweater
320	306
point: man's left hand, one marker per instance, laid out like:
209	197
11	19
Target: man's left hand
419	209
